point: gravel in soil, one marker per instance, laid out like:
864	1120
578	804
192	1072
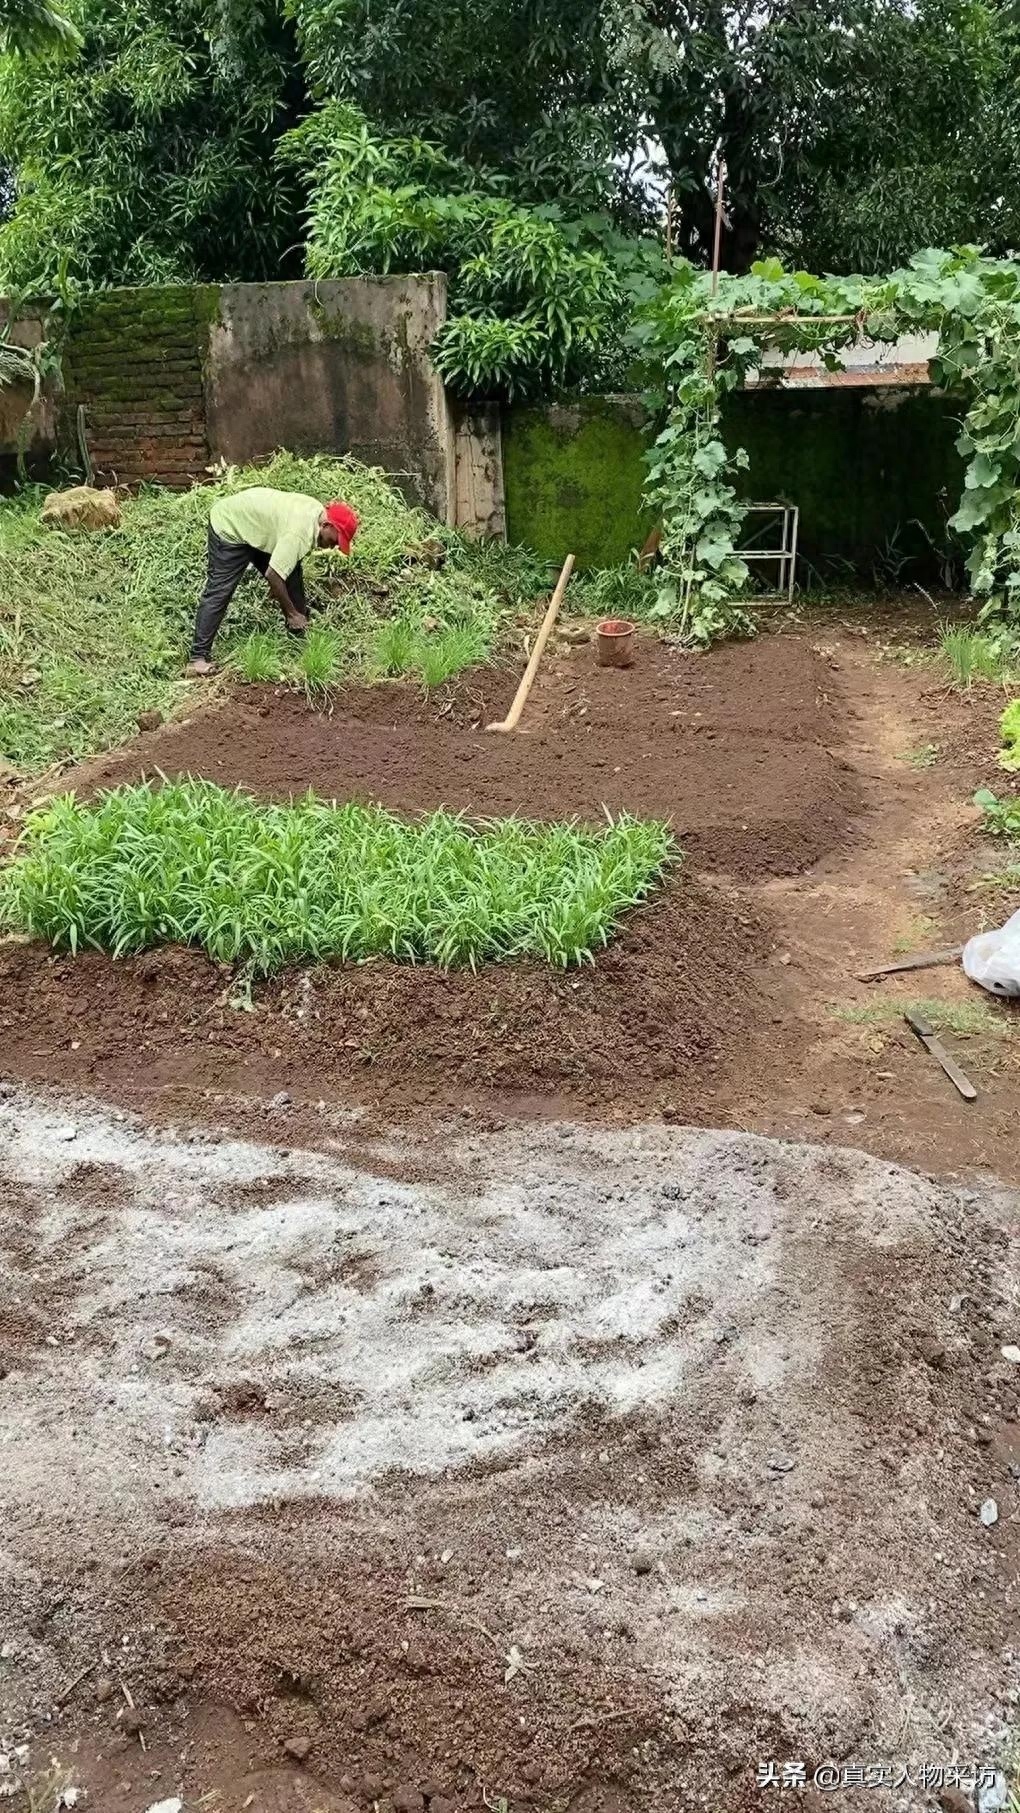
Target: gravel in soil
588	1477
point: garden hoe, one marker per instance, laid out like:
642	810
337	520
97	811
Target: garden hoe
512	719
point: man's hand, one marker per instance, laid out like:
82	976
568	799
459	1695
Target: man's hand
293	618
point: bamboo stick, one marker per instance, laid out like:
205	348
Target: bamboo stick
512	719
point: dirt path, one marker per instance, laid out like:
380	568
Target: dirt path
591	1476
915	754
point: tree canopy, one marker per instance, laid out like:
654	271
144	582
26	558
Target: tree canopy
526	147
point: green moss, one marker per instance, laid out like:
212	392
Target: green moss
356	337
574	477
875	474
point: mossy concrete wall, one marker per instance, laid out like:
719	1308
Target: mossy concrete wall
573	475
173	378
875	473
341	365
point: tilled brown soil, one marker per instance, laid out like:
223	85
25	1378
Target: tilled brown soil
649	1025
733	748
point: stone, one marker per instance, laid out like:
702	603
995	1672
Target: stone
643	1561
150	720
298	1748
408	1799
1012	1354
81	508
989	1513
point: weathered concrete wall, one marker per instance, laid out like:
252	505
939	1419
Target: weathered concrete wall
481	492
174	378
340	365
875	474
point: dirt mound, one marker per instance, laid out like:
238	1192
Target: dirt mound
731	747
648	1026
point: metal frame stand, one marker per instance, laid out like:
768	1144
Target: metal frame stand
784	556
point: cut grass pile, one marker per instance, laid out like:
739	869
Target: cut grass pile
267	885
95	627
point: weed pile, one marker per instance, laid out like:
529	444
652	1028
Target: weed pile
268	885
95	627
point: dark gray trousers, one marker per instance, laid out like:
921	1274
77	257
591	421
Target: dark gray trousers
228	561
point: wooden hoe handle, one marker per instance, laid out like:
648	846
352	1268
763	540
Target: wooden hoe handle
512	719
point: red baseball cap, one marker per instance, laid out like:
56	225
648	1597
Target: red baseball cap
345	522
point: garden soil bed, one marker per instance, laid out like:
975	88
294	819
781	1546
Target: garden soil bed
736	749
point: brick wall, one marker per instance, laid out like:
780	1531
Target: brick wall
135	360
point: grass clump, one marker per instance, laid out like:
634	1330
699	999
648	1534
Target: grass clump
971	655
433	654
965	1018
267	885
925	756
256	659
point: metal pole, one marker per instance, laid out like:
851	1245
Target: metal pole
793	554
720	190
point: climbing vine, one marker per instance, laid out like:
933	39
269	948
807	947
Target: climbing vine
704	344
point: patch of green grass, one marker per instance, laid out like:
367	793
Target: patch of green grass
919	933
924	757
972	655
623	591
435	655
320	658
267	885
966	1018
393	649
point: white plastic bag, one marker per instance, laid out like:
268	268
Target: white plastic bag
992	960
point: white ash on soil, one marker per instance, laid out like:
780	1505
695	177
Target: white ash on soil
694	1406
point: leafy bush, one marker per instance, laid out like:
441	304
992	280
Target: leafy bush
147	158
537	300
1009	730
268	885
970	655
1001	816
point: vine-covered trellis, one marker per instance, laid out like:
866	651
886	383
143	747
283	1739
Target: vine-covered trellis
706	342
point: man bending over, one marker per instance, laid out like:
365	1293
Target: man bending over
272	531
